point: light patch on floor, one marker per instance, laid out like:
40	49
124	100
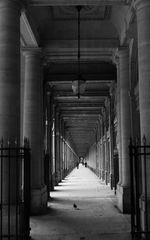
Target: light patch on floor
94	217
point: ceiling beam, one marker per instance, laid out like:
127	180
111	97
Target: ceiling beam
79	111
82	98
102	93
91	81
79	108
81	116
81	122
76	2
82	105
109	77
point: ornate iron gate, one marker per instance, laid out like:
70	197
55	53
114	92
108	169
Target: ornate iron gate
14	191
139	157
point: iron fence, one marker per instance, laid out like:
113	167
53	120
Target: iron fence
139	157
14	191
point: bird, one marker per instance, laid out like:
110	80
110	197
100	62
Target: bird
75	206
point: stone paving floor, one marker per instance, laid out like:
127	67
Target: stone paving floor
95	218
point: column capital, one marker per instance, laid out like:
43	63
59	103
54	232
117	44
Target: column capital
139	4
123	51
116	59
32	52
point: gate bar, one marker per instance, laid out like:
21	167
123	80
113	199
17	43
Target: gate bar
132	189
145	186
9	190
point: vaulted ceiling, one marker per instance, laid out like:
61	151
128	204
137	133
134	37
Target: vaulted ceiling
55	29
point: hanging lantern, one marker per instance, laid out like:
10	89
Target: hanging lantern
79	85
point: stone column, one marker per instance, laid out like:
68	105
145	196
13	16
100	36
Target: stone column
10	69
111	118
53	153
123	190
33	126
61	148
143	28
65	158
49	139
9	85
57	160
119	145
101	147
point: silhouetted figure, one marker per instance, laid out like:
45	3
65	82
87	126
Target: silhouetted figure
85	164
77	165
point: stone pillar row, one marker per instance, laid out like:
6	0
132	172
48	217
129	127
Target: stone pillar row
10	11
142	8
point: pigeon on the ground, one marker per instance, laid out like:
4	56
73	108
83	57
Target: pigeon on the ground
75	206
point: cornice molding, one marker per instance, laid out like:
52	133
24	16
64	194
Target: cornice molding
90	50
139	4
128	27
32	52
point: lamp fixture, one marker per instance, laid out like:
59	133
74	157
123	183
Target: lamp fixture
78	86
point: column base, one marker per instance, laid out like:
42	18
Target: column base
111	180
53	182
103	175
39	200
57	178
99	174
106	177
123	198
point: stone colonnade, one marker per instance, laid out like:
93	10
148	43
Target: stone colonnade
11	127
99	157
143	22
10	11
142	10
62	157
